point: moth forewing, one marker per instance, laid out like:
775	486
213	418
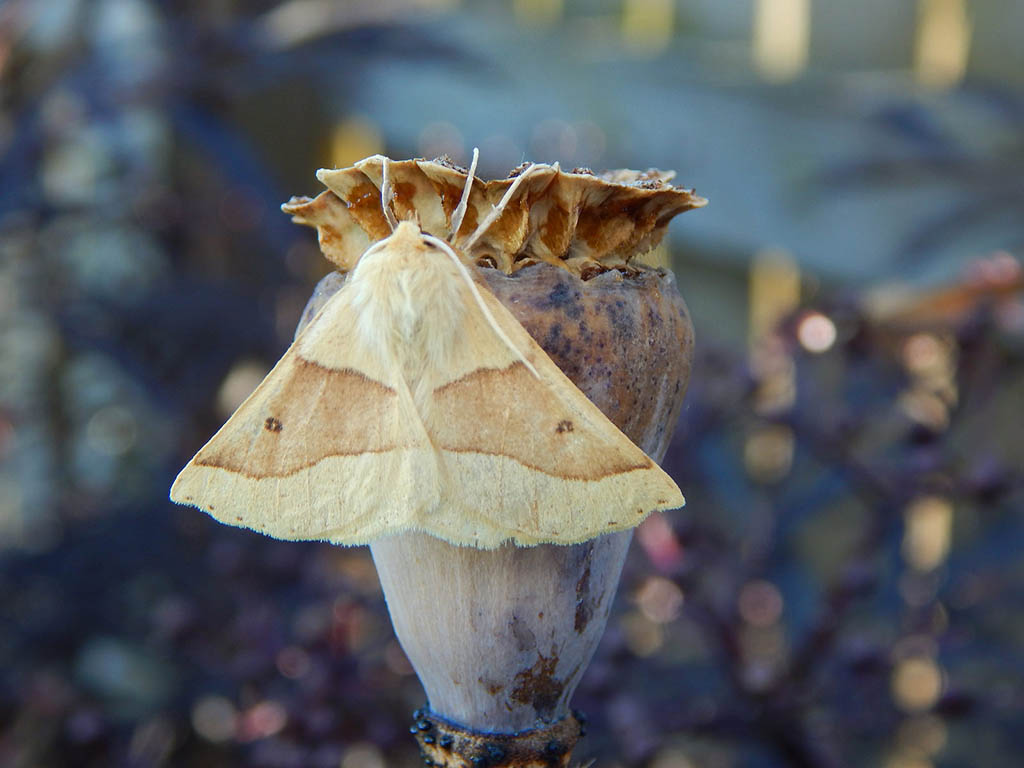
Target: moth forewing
557	469
416	401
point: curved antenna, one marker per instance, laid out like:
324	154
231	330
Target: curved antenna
500	207
385	193
480	299
380	245
460	210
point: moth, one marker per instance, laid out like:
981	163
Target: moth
415	401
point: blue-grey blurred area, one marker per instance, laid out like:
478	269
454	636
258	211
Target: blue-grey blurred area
843	587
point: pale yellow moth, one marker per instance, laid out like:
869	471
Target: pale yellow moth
415	401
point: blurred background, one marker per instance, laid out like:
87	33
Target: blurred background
844	587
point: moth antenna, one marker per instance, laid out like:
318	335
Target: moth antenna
480	300
499	208
385	193
460	210
378	246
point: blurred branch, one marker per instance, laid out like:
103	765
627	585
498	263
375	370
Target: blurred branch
987	177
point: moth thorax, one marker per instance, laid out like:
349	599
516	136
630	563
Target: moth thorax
410	307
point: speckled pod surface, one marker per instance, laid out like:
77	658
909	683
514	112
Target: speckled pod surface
500	638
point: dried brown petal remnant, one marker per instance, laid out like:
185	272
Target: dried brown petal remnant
583	222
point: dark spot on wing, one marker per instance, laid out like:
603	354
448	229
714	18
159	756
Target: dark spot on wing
272	424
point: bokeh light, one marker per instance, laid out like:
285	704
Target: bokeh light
925	408
928	532
922	735
352	139
647	25
240	382
261	720
660	542
768	453
943	42
781	38
760	603
816	332
643	636
916	683
112	430
659	599
363	755
774	290
925	355
214	718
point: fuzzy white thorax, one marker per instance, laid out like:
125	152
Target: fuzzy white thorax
406	294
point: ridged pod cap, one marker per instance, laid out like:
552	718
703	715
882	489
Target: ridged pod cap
583	222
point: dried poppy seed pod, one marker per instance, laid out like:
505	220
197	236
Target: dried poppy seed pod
500	638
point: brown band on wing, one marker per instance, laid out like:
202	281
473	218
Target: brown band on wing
510	412
316	412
